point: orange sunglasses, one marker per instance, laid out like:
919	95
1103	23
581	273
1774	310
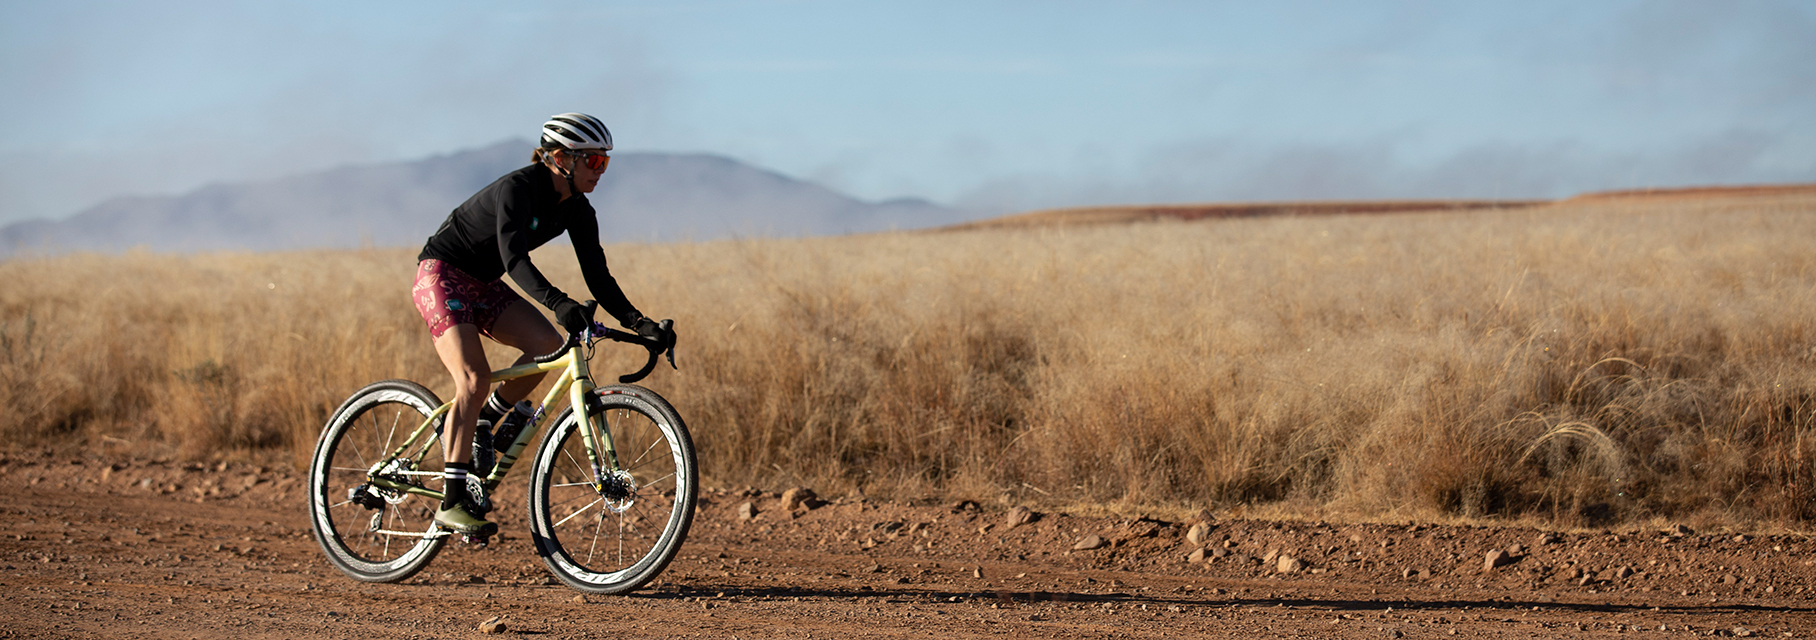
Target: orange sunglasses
595	161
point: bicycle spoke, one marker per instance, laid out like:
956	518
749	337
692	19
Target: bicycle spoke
387	539
620	519
653	482
582	510
637	462
359	453
594	546
576	463
391	435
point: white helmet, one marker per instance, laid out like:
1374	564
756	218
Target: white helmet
576	132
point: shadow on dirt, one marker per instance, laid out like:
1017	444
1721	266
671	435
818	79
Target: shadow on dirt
1012	597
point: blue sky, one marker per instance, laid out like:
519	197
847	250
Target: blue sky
1001	106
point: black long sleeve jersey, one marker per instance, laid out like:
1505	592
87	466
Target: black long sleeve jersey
493	232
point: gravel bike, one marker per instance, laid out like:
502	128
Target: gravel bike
611	489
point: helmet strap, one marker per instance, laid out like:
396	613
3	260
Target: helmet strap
567	172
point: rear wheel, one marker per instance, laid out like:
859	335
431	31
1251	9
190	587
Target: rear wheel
377	532
604	530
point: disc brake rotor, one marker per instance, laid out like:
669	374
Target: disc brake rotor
619	490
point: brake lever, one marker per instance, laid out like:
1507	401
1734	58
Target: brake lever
669	326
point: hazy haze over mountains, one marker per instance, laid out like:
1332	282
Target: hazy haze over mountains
643	197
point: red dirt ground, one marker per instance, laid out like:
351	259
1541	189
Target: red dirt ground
94	548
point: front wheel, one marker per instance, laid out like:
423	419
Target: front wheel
365	515
611	530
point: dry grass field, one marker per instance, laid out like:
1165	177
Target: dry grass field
1627	358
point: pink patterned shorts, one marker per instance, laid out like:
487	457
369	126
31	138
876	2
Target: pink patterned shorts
447	296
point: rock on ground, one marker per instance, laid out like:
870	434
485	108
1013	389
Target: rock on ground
1019	516
1090	542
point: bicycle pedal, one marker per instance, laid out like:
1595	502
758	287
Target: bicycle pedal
481	500
477	542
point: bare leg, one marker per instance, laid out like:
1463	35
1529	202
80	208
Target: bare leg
465	358
521	327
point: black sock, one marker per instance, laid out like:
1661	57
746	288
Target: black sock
495	408
454	483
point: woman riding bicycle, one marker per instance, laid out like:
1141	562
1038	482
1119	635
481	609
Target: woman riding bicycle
461	296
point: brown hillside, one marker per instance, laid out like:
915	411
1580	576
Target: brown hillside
1700	193
1187	212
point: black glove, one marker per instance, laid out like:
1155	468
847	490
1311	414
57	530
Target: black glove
651	329
573	316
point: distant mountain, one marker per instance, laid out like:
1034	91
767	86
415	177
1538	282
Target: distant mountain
643	197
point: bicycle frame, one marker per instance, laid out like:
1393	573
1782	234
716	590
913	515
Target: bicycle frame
575	381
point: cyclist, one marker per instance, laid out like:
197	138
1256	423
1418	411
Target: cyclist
461	295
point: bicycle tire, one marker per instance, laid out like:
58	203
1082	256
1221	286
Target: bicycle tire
398	537
570	506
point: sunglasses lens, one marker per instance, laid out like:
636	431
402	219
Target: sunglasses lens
597	162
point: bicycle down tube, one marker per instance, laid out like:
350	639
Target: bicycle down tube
574	380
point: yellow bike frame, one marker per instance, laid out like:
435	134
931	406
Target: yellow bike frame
575	380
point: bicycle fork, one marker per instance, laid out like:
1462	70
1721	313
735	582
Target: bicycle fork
596	435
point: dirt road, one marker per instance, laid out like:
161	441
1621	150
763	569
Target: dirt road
164	550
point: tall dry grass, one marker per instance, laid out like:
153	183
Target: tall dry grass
1580	364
